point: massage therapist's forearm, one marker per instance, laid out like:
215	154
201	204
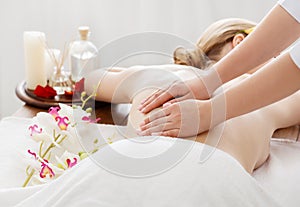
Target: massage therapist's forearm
272	83
274	34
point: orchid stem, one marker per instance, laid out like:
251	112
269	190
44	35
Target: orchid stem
47	150
28	178
84	101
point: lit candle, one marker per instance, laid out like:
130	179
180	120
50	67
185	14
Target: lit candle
34	50
51	56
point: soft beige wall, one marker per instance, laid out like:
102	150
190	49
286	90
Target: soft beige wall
108	19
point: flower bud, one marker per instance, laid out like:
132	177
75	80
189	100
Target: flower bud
89	110
83	94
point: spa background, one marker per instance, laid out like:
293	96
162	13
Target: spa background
108	20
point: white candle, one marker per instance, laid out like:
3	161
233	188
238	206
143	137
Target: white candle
34	50
50	62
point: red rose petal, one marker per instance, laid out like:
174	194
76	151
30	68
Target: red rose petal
79	86
68	93
44	92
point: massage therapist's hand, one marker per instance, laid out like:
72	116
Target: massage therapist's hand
178	91
182	119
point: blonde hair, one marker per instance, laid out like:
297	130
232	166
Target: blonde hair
211	43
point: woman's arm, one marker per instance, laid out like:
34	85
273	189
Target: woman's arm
275	33
120	85
273	82
108	84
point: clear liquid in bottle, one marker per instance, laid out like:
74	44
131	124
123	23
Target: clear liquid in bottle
83	54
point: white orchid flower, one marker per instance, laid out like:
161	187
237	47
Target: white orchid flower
74	114
67	160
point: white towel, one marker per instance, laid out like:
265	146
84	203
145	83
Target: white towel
167	173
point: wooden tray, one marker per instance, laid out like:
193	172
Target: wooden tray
31	99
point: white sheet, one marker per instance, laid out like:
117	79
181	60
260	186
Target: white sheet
280	175
220	181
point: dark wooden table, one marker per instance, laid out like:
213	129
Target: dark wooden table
109	113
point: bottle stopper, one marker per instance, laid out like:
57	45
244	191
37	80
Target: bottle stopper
84	32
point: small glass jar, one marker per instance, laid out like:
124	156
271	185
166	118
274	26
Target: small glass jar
60	81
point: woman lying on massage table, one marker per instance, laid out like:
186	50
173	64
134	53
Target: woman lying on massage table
246	137
220	180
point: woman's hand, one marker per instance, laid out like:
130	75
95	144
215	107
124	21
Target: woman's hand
178	91
200	87
182	119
